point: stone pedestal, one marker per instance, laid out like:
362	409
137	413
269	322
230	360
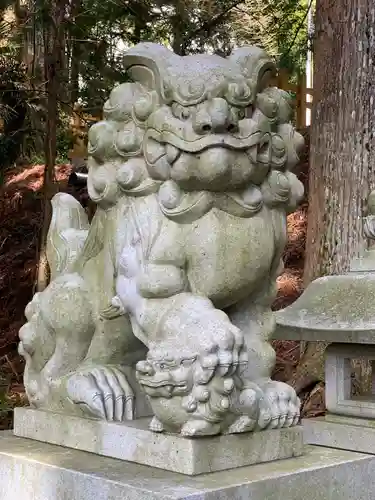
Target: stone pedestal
133	442
30	470
345	433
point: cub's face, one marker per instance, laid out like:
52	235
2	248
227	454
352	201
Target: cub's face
166	377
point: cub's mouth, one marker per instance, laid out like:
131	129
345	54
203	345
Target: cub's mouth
155	384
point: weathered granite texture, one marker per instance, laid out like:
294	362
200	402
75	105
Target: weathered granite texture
30	470
284	332
169	290
337	308
345	433
333	309
133	441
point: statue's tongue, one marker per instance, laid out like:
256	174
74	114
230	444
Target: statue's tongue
210	170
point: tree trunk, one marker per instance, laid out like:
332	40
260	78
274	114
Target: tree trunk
342	145
179	22
50	156
74	74
75	53
53	34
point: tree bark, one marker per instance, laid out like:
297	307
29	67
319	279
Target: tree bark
75	53
53	35
179	22
342	147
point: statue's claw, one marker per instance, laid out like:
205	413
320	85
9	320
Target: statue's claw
104	392
243	424
156	425
194	428
280	406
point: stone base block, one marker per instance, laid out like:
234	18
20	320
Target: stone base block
345	433
132	441
30	470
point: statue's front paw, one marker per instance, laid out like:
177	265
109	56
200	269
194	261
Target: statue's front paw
102	391
156	425
196	428
242	424
279	407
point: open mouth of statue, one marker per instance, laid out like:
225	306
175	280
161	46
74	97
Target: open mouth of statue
166	383
259	139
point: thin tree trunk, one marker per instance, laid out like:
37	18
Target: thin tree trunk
48	186
75	54
179	22
53	54
74	75
342	145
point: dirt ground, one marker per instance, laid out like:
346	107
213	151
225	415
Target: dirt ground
20	222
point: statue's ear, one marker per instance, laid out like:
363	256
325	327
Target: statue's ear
146	63
255	65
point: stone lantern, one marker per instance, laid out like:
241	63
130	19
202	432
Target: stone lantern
340	310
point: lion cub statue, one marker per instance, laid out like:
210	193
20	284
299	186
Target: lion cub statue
162	306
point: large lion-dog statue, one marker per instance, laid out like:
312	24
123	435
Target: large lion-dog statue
162	305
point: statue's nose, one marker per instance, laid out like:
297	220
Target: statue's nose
215	118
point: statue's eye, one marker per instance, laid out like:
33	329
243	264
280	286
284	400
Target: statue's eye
180	112
186	362
241	114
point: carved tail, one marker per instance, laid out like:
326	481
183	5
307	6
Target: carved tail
67	233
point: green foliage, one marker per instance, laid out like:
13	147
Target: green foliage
64	138
98	32
280	26
9	149
293	37
102	30
14	102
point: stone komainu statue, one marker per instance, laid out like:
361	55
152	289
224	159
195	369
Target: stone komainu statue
168	292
